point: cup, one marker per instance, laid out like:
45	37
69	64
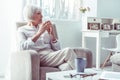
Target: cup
80	64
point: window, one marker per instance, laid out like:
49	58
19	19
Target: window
60	9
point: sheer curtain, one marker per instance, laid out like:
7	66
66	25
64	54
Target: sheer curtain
61	9
58	9
14	10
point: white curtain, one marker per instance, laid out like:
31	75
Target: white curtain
61	9
13	9
57	9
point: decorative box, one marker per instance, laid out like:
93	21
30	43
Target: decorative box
106	26
116	26
94	26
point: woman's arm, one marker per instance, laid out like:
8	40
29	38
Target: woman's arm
55	44
23	42
26	43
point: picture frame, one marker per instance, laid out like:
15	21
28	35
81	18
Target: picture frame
116	26
106	26
93	26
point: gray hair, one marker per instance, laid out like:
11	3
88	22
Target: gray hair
29	11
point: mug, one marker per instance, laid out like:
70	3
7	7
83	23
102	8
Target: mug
80	64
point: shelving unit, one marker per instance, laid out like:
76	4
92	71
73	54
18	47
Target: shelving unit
95	23
99	28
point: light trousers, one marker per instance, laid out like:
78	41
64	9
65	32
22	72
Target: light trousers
64	59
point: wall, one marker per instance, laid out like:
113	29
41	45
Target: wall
4	37
8	15
92	4
69	33
108	8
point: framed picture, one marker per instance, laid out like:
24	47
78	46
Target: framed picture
106	26
94	26
117	26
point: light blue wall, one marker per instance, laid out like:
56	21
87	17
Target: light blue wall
108	8
92	4
4	36
69	33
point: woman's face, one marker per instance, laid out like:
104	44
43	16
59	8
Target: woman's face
37	17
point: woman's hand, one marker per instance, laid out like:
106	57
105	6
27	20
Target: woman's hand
49	27
43	27
51	32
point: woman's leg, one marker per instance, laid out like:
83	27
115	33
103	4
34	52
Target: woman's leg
57	58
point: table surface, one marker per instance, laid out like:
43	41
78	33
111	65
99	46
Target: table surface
65	75
109	75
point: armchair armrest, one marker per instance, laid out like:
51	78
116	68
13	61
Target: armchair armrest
23	64
86	53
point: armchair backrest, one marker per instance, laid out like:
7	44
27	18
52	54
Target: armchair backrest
19	24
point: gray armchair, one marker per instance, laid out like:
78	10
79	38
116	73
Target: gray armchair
25	65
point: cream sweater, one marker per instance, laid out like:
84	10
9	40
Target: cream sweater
44	42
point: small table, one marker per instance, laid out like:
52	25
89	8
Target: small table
65	75
109	75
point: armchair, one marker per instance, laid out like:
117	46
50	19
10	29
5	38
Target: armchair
29	68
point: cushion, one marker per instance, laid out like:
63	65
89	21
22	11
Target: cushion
115	58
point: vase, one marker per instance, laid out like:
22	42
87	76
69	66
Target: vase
84	22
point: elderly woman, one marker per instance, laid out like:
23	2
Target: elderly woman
38	35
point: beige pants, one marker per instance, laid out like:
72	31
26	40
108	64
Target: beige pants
64	59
